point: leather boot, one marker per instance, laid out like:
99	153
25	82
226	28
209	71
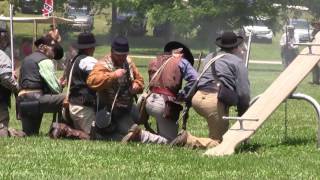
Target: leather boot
77	134
3	130
16	133
61	130
58	130
134	134
180	140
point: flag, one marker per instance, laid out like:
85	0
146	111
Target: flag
47	7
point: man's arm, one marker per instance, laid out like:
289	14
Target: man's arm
137	78
243	89
6	77
47	72
9	82
189	74
100	77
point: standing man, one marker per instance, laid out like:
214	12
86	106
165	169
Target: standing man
117	80
54	33
316	69
228	71
40	89
289	51
316	29
166	87
8	85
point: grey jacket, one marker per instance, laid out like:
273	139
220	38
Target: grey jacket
230	70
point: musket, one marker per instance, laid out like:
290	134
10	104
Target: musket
192	90
130	80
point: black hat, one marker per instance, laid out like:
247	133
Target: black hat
176	45
45	40
85	40
58	52
229	40
120	45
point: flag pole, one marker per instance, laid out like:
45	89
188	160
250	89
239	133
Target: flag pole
11	36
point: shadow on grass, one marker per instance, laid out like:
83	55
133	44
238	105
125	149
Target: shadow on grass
248	147
293	141
289	141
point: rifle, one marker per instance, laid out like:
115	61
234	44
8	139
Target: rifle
187	106
129	79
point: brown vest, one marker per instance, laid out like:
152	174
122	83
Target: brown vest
170	77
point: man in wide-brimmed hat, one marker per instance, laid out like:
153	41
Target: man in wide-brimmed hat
227	75
82	99
54	33
39	87
316	29
316	69
289	50
117	80
166	73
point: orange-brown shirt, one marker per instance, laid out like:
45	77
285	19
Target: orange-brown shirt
103	80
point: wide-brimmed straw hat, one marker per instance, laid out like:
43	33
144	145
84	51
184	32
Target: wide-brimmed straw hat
85	40
185	50
229	40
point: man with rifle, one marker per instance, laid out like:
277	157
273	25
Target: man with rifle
223	83
117	81
166	73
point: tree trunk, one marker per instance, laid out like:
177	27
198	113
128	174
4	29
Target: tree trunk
114	19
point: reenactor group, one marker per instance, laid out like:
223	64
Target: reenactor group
101	95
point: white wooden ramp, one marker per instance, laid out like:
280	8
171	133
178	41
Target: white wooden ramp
273	96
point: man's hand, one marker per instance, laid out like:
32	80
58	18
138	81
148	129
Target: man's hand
62	82
15	74
120	72
134	88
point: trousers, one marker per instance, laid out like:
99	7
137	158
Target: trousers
31	122
122	120
155	107
207	105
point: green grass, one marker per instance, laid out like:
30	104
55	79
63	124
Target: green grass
267	155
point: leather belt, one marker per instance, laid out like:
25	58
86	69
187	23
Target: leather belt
163	91
27	91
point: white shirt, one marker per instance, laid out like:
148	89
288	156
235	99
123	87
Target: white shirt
291	41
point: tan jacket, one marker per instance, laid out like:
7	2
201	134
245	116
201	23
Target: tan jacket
103	80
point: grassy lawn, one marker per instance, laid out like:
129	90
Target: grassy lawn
268	155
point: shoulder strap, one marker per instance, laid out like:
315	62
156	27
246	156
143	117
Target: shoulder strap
206	67
159	71
73	61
